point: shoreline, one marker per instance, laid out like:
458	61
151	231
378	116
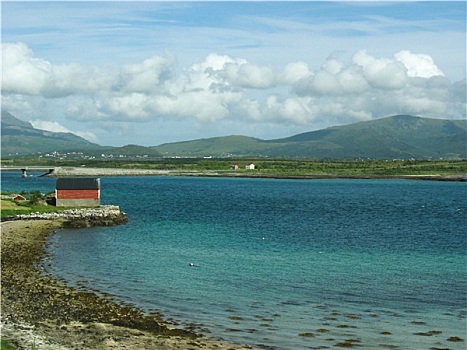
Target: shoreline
116	172
42	312
110	172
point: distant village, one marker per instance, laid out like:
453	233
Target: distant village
81	155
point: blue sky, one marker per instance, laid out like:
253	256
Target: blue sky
152	72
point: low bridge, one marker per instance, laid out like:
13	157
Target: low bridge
26	168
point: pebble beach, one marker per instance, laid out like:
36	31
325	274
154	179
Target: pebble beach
40	312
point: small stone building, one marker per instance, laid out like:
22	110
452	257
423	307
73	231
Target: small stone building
78	192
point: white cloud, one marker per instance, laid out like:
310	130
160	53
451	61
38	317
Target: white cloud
248	75
22	73
294	72
223	88
48	126
381	73
57	127
418	65
148	75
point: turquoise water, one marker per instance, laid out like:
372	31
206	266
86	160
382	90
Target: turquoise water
282	264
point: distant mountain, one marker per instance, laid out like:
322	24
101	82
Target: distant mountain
19	137
396	137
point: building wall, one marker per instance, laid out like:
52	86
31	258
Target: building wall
78	194
77	198
77	203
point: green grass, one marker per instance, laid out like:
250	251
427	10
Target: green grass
10	208
6	345
277	166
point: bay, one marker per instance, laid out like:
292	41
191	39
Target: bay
284	264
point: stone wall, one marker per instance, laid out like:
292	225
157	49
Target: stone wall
105	215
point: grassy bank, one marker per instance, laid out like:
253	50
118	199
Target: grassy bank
6	345
283	166
11	208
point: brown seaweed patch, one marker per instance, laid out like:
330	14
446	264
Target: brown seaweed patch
353	317
322	330
343	326
385	333
428	334
424	334
236	318
418	322
455	339
321	307
348	343
233	330
307	335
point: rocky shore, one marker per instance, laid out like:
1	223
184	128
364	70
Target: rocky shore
40	312
105	215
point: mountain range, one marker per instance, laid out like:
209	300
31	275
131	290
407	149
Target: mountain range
395	137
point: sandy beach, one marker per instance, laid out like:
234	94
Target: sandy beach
40	312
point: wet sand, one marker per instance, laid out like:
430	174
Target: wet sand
40	312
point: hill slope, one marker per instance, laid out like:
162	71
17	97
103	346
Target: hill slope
19	137
396	137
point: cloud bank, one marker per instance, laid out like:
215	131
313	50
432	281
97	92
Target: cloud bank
222	87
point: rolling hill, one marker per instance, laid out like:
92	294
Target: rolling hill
395	137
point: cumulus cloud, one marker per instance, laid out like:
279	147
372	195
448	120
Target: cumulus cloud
222	87
148	75
294	72
381	73
418	65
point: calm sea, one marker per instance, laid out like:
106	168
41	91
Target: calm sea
281	264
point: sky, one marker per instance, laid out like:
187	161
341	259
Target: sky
154	72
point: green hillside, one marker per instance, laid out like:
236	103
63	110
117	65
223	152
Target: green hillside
19	137
400	137
216	146
396	137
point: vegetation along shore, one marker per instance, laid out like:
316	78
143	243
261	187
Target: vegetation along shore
451	170
41	312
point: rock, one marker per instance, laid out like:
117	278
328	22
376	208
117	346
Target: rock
105	215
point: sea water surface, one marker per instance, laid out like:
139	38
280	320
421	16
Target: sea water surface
281	264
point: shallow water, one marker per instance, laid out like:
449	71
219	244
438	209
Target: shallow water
285	264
